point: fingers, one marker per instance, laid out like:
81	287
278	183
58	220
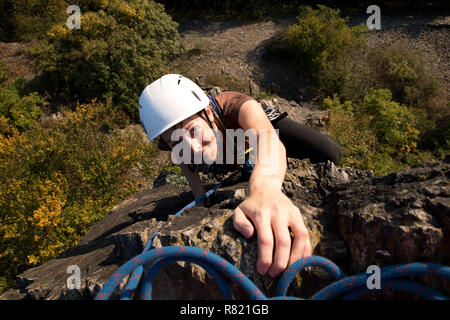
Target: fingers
302	244
298	247
308	248
242	224
272	227
282	249
265	236
265	244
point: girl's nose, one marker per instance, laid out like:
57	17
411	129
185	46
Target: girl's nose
202	136
200	139
196	145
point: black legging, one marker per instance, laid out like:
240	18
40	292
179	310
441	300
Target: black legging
304	142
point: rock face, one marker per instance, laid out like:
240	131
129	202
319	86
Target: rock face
353	218
406	215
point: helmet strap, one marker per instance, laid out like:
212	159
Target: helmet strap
207	118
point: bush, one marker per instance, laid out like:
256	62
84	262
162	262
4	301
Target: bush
57	182
320	36
26	19
321	41
380	134
437	136
337	60
115	54
346	109
393	124
357	140
407	77
16	109
21	112
4	74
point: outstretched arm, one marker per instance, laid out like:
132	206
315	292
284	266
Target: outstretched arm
272	213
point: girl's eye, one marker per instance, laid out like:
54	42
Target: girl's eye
195	128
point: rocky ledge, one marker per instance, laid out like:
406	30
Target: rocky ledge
354	219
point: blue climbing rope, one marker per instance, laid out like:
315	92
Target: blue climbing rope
347	288
220	269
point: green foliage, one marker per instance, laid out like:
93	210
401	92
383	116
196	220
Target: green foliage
380	134
19	111
319	36
337	60
346	109
322	43
57	182
4	75
169	167
404	74
443	137
393	124
116	53
25	19
437	135
357	140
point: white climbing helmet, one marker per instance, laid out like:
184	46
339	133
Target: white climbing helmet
168	101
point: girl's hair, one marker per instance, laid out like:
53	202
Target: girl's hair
162	145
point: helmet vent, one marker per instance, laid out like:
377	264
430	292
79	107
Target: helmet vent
196	95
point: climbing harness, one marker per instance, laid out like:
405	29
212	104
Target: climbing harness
245	155
273	113
347	288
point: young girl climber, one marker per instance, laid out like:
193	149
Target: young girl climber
175	102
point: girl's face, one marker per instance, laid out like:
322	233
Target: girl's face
198	135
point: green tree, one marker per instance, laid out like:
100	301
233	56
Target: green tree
119	50
322	43
27	19
57	181
16	109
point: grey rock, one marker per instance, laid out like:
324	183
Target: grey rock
405	213
111	242
170	178
353	218
253	88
